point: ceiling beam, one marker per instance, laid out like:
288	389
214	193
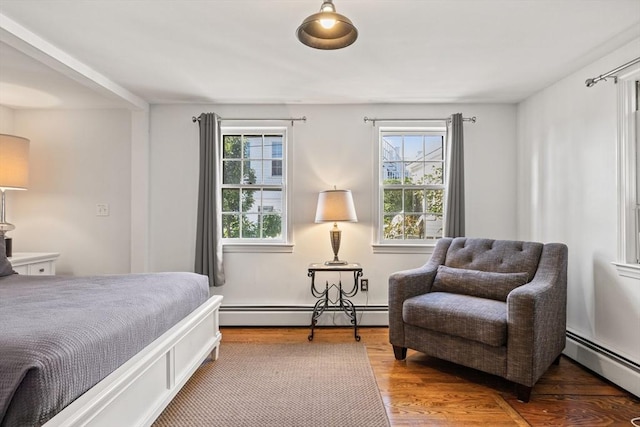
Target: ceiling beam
30	44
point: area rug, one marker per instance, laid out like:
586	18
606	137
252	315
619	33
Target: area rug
310	384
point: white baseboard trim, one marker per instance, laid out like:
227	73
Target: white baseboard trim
616	369
255	315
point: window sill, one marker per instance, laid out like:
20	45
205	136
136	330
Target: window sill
257	248
379	248
628	270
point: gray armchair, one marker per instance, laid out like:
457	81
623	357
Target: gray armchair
498	306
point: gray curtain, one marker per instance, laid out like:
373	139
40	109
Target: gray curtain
209	228
454	220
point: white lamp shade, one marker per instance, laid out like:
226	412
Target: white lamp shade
335	205
14	162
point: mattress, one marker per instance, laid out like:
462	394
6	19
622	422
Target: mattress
59	336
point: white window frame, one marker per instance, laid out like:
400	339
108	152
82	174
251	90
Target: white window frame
627	157
285	244
380	245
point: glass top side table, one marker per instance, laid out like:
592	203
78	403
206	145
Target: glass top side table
342	303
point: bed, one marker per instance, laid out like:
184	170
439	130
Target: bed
103	350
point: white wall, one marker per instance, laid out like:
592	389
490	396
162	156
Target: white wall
334	147
567	193
6	120
77	159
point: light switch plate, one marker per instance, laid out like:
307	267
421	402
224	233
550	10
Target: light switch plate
102	209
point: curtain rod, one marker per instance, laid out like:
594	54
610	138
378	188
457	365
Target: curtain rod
288	119
593	81
374	120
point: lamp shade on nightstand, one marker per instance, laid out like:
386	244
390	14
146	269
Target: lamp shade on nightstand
14	162
14	174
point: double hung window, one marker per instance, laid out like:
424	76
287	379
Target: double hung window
412	186
254	196
628	263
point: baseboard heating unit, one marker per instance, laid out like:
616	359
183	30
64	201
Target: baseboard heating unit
616	368
298	315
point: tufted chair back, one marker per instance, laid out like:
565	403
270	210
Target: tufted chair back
498	256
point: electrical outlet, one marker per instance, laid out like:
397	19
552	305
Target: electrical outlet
364	285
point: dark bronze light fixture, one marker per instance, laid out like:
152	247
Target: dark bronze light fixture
327	29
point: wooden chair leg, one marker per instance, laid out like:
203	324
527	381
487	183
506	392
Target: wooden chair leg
523	393
400	352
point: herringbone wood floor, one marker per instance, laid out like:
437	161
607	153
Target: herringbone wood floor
424	391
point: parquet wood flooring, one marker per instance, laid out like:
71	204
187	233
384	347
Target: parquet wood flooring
425	391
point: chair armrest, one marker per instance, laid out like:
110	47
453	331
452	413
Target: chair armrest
537	318
409	283
404	285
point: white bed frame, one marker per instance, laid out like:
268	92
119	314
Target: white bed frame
136	393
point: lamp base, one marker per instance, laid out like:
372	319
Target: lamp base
334	262
8	245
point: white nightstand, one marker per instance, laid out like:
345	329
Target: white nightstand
34	263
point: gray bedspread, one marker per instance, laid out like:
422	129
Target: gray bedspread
59	336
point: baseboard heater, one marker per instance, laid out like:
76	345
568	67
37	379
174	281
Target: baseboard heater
306	308
616	368
299	315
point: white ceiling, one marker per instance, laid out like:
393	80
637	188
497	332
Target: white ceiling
245	51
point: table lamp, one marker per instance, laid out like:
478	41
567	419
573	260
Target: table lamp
333	206
14	175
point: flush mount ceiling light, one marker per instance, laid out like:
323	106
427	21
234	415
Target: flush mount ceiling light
327	29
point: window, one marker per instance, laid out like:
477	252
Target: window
253	185
412	186
628	263
633	231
